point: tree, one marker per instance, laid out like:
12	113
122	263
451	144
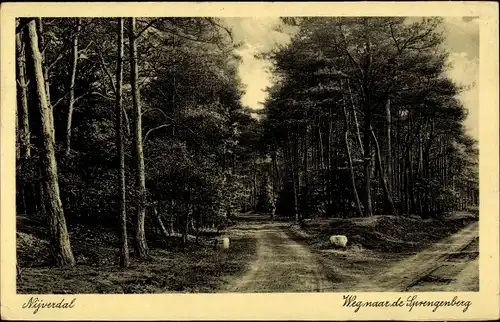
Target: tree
141	246
170	53
390	72
349	160
265	202
22	98
124	252
60	242
71	89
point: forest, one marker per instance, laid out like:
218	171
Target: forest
137	125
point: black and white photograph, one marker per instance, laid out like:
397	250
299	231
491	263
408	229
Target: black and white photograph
246	154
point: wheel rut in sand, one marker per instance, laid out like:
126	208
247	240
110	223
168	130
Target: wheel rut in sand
282	265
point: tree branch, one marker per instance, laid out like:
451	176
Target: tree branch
105	69
103	96
153	129
145	28
180	35
60	100
21	26
228	31
168	117
58	57
351	58
85	49
394	39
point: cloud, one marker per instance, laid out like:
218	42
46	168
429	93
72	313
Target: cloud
258	35
462	42
462	36
253	73
465	71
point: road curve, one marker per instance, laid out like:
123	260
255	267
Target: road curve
444	266
284	265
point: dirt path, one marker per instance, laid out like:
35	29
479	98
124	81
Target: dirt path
285	265
450	265
282	264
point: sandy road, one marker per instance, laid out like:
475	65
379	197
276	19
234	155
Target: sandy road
282	264
450	265
285	265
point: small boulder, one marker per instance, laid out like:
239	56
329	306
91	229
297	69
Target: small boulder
222	243
338	241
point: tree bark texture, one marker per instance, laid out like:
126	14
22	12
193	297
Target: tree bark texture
60	242
124	250
22	93
141	245
71	99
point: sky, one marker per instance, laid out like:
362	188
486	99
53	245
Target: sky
259	34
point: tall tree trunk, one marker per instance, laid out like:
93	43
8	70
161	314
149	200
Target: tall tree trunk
294	182
24	129
45	68
383	180
426	157
329	160
351	169
160	223
296	159
74	65
306	179
389	152
321	158
60	242
321	150
141	246
306	165
276	172
254	186
353	109
418	194
124	251
367	164
407	181
185	227
411	185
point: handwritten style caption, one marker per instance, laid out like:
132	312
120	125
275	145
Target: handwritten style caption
410	302
35	304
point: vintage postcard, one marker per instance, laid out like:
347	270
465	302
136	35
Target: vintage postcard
249	161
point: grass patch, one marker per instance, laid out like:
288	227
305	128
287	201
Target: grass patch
199	268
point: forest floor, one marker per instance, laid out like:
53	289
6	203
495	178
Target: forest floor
199	269
384	254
